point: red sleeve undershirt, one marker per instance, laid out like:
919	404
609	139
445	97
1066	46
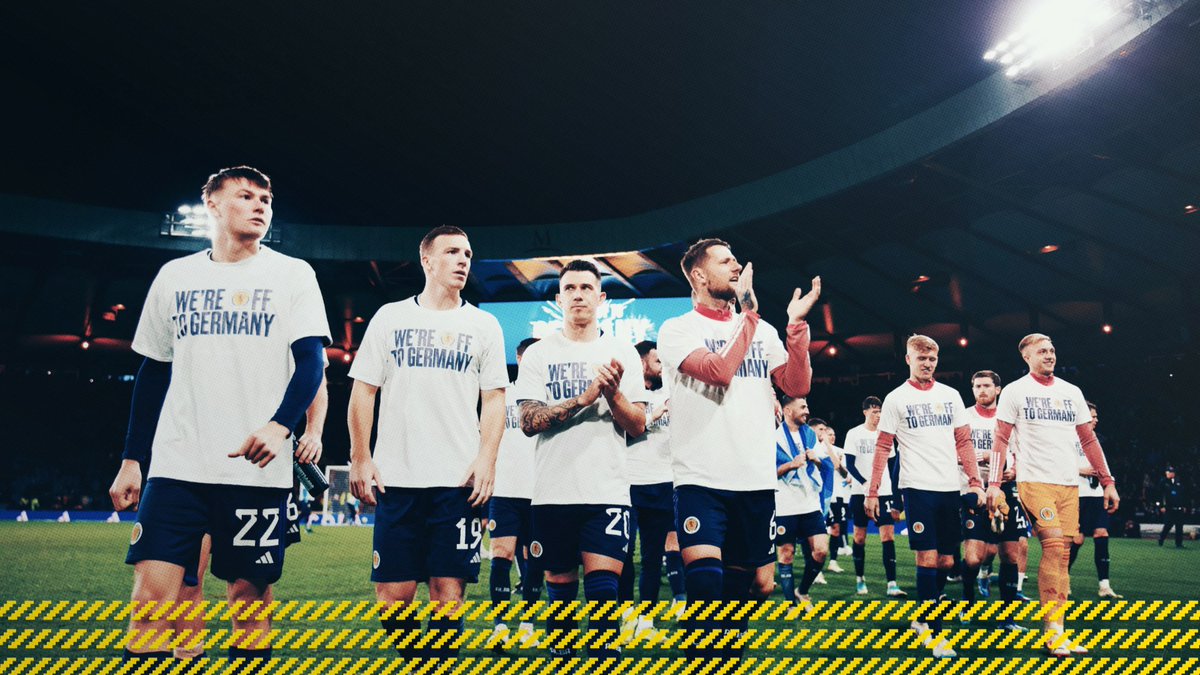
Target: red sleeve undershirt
795	376
999	452
1094	453
966	455
883	448
718	369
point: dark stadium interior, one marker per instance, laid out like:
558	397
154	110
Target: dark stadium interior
1075	211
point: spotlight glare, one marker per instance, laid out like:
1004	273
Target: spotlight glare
963	342
85	345
185	209
833	350
346	357
1048	248
1107	329
1006	59
989	55
1013	72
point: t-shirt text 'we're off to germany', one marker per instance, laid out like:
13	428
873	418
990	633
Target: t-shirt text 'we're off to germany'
754	365
430	348
218	311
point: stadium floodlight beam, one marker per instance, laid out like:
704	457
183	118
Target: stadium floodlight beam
1056	31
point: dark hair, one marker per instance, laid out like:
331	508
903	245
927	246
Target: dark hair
817	422
580	265
697	252
872	402
216	181
524	344
987	373
645	346
1092	406
439	231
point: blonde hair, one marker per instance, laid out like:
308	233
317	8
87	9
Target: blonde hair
921	343
1030	339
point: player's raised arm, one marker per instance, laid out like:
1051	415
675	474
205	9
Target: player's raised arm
360	417
795	377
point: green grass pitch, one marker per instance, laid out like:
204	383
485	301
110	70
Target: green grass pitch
84	561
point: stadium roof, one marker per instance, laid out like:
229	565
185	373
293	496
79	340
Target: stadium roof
872	147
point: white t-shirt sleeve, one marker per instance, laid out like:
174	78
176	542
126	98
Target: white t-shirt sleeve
960	414
633	381
530	383
676	342
370	364
776	352
889	416
493	366
154	337
1006	407
308	308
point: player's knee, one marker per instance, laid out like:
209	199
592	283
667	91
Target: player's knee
248	590
820	555
1100	533
787	553
763	584
860	535
504	547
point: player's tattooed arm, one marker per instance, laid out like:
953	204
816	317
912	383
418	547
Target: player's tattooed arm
537	417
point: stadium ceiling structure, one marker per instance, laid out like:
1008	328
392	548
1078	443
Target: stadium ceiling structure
964	205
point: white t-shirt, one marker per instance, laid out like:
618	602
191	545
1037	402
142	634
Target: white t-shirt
582	461
721	438
983	437
431	366
795	493
227	330
1045	416
923	422
860	444
514	464
841	486
649	459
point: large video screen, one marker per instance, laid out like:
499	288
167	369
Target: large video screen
634	319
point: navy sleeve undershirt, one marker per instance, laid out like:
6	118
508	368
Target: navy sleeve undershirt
149	392
853	471
306	379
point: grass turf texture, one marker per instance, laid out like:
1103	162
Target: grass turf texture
84	561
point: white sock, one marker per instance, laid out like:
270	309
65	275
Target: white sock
1104	583
861	579
1021	581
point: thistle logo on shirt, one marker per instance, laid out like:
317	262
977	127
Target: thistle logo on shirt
922	415
1046	513
1049	409
568	380
136	534
691	525
429	348
535	549
374	560
755	363
918	527
215	311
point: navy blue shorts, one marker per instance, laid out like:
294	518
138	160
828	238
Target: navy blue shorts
425	532
248	527
839	510
934	520
858	511
741	524
790	529
293	518
1092	515
657	496
562	533
510	517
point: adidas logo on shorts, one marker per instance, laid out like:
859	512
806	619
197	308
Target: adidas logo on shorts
475	558
265	559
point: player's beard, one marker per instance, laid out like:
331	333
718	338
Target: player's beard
727	293
655	382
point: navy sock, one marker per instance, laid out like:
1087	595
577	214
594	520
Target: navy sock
986	570
255	659
559	595
446	632
402	629
522	563
889	560
1074	553
626	581
531	581
811	568
969	576
1101	544
859	551
927	592
787	582
1008	582
704	579
735	586
501	585
675	575
833	548
941	582
601	586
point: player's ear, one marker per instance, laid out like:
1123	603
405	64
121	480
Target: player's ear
603	296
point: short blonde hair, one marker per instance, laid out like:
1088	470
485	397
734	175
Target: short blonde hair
1030	339
921	343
